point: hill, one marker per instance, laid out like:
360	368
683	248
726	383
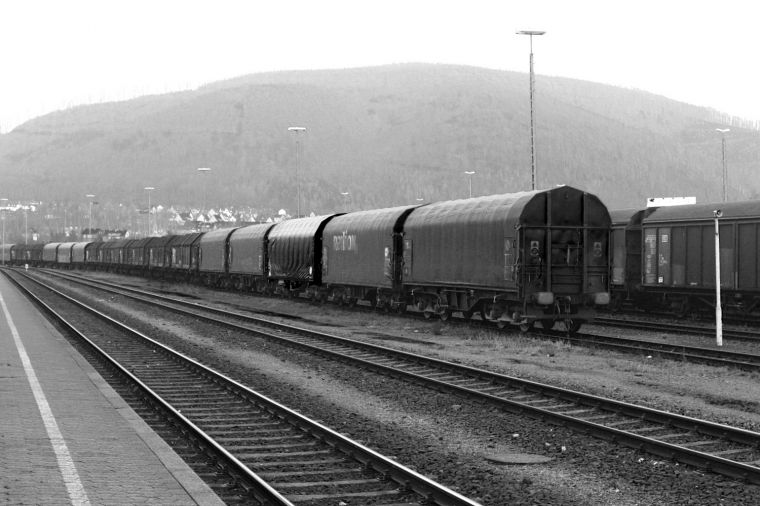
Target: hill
387	135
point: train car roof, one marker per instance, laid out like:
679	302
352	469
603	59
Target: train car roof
117	244
300	227
217	235
186	239
630	217
255	231
528	208
372	219
749	209
164	240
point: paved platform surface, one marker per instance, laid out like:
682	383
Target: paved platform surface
65	436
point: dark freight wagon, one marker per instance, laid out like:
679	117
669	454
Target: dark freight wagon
678	248
248	262
362	257
213	259
184	252
626	247
516	258
295	255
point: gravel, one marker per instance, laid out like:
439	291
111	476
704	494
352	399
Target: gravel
448	438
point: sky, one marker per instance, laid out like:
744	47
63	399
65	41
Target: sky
57	54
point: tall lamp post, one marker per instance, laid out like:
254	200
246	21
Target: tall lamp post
723	158
90	196
469	176
297	131
149	189
2	216
203	170
531	33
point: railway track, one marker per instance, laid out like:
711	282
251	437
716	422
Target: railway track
679	352
751	336
727	450
272	454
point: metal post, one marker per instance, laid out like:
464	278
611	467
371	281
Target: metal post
533	175
469	174
718	312
90	196
297	131
149	189
723	158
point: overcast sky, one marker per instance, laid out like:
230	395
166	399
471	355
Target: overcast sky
59	53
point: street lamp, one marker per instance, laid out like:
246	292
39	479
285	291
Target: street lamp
90	196
469	176
723	155
203	170
148	189
531	33
346	197
297	131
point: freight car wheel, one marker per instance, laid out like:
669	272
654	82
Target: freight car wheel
502	324
467	315
572	325
445	315
547	323
526	327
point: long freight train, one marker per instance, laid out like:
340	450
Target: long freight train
515	259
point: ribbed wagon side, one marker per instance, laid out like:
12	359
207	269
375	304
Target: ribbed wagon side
515	258
295	256
248	260
362	257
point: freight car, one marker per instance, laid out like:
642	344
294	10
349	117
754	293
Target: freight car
664	258
522	258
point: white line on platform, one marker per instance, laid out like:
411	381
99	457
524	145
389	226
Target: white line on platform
74	486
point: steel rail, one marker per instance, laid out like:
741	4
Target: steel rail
431	491
594	407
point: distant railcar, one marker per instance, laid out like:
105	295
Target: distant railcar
295	256
363	255
248	259
678	256
214	257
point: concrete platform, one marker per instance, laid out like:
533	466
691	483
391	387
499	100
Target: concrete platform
65	436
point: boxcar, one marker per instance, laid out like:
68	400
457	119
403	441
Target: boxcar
160	254
50	253
295	255
63	255
248	257
93	255
184	252
625	243
362	257
79	254
28	254
516	258
678	248
115	255
213	257
137	254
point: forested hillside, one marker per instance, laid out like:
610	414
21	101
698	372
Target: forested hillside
386	135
